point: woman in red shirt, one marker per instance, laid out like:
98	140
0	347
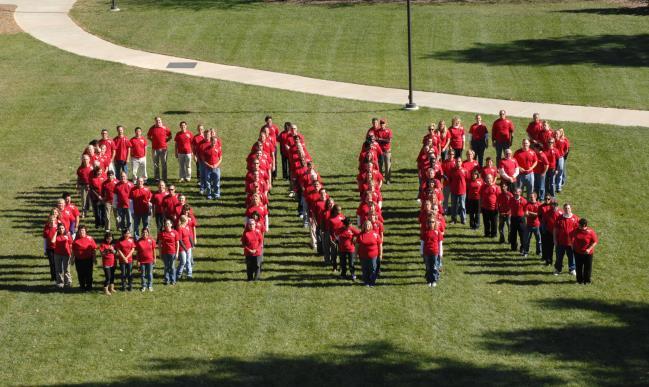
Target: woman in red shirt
444	139
83	257
488	204
252	240
84	174
563	146
169	245
146	256
368	252
431	238
479	138
533	223
346	237
473	199
584	241
107	251
61	243
125	248
185	250
457	137
48	233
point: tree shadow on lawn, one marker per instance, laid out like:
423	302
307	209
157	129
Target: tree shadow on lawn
626	11
195	5
604	50
376	363
274	111
615	353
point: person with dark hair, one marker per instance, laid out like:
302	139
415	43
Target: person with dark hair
431	238
61	243
563	229
146	256
252	241
283	138
584	240
157	201
123	194
83	258
49	231
504	211
273	136
138	154
197	142
368	252
107	251
95	198
533	223
159	134
125	248
549	213
457	178
489	206
141	197
185	249
107	195
169	245
84	174
72	212
384	137
540	171
346	237
474	186
183	152
502	134
479	138
517	225
122	148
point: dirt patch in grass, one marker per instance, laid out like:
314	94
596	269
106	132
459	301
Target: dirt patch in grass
7	23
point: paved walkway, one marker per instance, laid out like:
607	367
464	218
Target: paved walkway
48	21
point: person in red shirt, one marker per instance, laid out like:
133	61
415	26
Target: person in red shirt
535	127
83	257
107	252
95	198
563	228
584	240
108	197
169	245
61	243
123	194
122	150
159	134
183	152
186	246
72	212
527	161
282	138
252	241
517	225
508	169
502	132
550	213
346	237
368	251
488	203
457	178
479	138
212	157
49	231
157	201
145	250
84	174
197	141
489	169
108	146
458	136
384	137
503	210
563	147
273	135
474	186
138	154
533	223
444	139
125	248
431	237
471	164
540	171
141	197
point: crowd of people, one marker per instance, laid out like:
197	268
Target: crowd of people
128	207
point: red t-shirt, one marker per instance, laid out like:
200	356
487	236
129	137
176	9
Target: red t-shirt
502	130
517	207
534	128
470	166
252	240
525	159
141	199
107	251
158	136
368	244
503	203
185	236
489	171
564	228
345	238
145	249
167	241
138	147
63	245
552	155
457	180
473	189
211	154
84	248
84	174
184	142
542	162
550	218
110	147
125	246
581	239
197	140
478	132
108	190
123	192
457	137
384	134
48	233
158	200
509	166
431	239
122	146
489	197
533	220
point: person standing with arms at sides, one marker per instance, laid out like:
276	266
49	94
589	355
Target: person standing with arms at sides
346	236
169	244
197	140
474	187
488	203
431	238
283	139
49	231
552	155
157	201
563	147
504	211
550	213
368	252
502	132
183	152
212	158
508	170
72	212
125	248
489	169
517	225
108	196
458	177
138	155
444	139
141	197
563	228
107	251
146	256
109	145
83	258
185	249
159	134
273	134
458	136
61	244
540	171
84	174
384	138
533	223
527	160
252	241
95	198
479	138
123	193
534	128
122	148
373	128
584	240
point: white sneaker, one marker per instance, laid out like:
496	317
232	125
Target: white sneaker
150	288
434	284
573	272
291	194
556	272
430	284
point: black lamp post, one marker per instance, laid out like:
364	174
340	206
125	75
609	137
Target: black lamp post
113	6
411	105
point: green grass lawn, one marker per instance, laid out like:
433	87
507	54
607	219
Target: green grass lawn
580	53
495	318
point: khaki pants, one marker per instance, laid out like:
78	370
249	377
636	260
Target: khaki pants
62	270
185	166
160	164
108	211
85	203
138	166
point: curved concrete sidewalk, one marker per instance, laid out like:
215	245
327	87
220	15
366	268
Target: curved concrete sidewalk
48	21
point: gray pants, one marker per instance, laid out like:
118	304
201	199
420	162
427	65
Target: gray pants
62	270
160	163
185	166
108	211
385	165
138	168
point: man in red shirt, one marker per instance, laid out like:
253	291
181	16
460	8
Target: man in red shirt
138	155
502	132
517	225
502	202
488	203
108	197
527	160
533	223
141	197
457	178
282	138
109	145
159	134
535	127
183	152
584	241
252	241
212	159
197	141
479	138
273	135
158	204
123	193
563	228
122	146
549	213
540	171
508	170
384	137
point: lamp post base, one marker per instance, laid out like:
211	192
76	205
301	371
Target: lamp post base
411	107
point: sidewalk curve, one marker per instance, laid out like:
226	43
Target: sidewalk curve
48	21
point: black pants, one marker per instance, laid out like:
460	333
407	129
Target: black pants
333	254
253	267
50	258
490	219
273	174
479	148
84	273
457	153
126	274
517	230
346	258
584	263
502	221
473	209
198	171
285	174
99	211
547	246
109	275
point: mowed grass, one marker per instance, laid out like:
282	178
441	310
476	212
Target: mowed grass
580	53
495	318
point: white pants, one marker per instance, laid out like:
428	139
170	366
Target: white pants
138	166
185	166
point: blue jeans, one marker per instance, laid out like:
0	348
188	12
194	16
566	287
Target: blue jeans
558	179
147	274
124	218
120	165
203	175
539	185
169	272
537	236
137	218
185	261
549	182
500	149
213	180
126	270
526	182
369	271
458	206
433	264
561	251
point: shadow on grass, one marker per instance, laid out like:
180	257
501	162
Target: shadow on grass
614	352
188	112
624	11
604	50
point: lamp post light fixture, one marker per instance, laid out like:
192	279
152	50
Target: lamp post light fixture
411	105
